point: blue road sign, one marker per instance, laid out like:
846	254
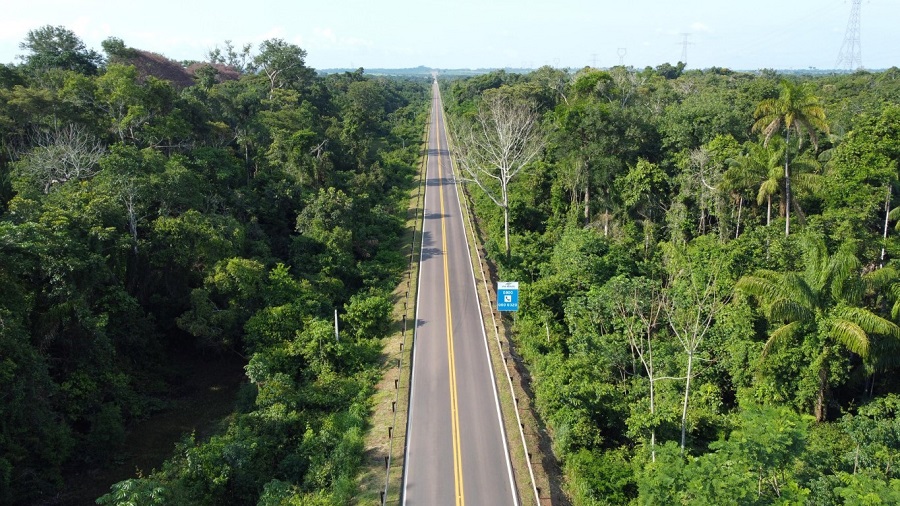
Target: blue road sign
508	296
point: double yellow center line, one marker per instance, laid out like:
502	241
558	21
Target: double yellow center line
454	410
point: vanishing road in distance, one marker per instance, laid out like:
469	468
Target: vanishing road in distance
456	449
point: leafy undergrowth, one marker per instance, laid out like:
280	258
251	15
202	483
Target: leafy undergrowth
201	402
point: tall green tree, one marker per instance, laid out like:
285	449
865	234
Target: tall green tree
284	65
822	307
862	176
643	190
586	139
57	47
795	109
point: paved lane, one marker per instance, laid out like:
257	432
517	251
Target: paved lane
456	448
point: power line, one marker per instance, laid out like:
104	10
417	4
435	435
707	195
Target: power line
787	32
850	56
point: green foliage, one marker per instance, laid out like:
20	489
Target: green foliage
818	308
34	440
368	317
239	214
56	47
864	490
603	478
651	188
641	187
283	64
861	171
137	492
752	466
875	432
143	226
230	294
700	117
115	47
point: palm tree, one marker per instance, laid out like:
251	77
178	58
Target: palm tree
760	165
884	282
797	109
824	300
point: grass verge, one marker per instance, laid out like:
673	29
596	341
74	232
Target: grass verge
385	441
514	387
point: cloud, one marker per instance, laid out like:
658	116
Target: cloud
328	38
15	29
276	32
90	29
356	42
324	35
699	26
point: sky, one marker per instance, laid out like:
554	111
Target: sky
741	35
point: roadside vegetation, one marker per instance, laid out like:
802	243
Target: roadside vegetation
708	269
153	212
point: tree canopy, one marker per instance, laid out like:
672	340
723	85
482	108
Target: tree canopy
680	349
146	226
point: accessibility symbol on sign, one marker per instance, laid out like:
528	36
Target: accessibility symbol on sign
508	296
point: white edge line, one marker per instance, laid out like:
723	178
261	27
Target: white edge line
537	498
412	367
512	481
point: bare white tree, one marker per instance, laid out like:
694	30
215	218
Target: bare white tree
638	308
703	180
61	155
694	299
504	138
130	193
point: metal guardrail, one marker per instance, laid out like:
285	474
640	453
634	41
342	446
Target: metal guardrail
512	391
487	292
388	460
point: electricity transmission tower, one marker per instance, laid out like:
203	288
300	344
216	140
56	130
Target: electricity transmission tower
684	46
850	56
622	51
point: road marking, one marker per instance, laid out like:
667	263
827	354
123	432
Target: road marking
454	405
414	361
436	122
509	469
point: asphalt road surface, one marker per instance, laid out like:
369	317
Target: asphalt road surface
456	449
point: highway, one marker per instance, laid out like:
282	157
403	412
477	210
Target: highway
456	450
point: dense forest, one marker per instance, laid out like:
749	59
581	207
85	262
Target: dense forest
709	275
152	209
